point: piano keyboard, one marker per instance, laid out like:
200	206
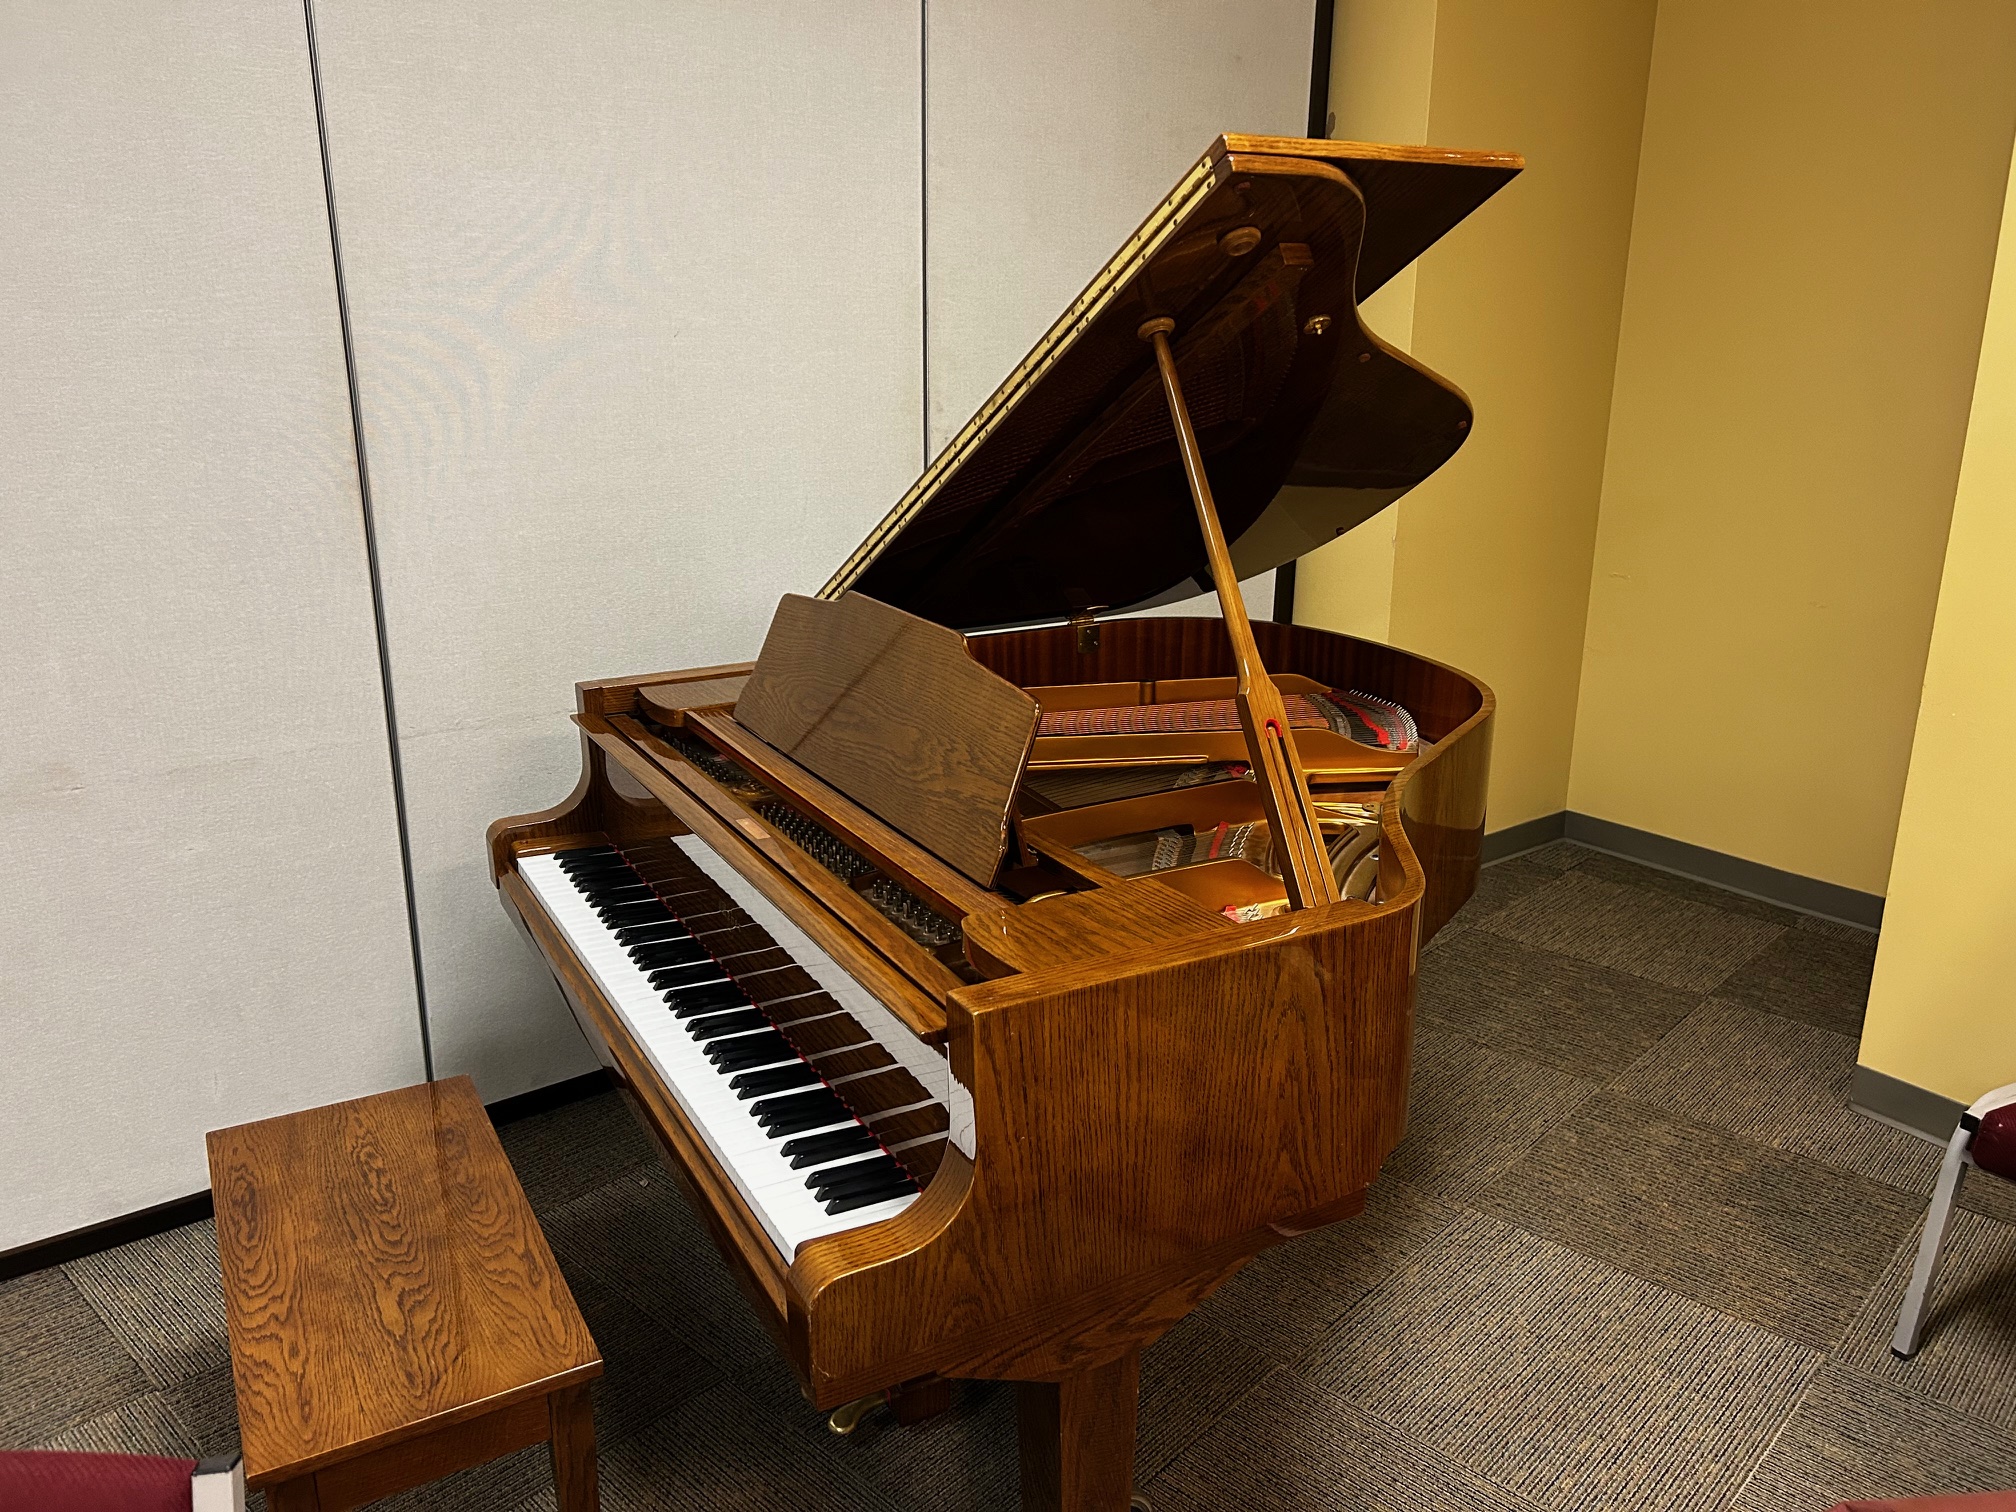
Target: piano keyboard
804	1088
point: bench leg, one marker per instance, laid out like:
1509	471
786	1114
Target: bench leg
574	1450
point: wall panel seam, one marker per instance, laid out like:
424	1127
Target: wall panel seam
371	551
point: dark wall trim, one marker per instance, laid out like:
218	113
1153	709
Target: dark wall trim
110	1234
544	1099
1753	879
1531	835
1900	1102
113	1232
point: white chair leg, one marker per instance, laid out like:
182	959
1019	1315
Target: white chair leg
1911	1318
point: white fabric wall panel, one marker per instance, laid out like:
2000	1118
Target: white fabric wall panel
202	918
635	294
1052	128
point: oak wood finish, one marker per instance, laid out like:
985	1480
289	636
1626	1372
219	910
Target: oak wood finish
1076	1438
394	1311
669	703
1304	869
1081	927
891	710
895	853
909	981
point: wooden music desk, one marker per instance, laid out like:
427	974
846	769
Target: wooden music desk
395	1313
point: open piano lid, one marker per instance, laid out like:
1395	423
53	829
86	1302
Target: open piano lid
1065	492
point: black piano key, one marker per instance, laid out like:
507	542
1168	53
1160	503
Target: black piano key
634	913
601	876
620	890
865	1199
746	1050
653	932
880	1171
795	1112
817	1149
578	852
672	955
728	1023
607	903
775	1079
707	997
674	975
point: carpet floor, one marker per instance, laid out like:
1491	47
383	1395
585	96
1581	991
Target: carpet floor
1636	1252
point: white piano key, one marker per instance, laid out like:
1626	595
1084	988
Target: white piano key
752	1158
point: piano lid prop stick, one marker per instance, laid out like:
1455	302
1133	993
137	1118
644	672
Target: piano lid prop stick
1284	792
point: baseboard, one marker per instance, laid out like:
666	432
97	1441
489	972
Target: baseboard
1753	879
544	1099
1909	1107
1534	833
113	1232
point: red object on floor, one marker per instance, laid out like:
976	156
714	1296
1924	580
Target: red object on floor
1980	1501
48	1481
1994	1143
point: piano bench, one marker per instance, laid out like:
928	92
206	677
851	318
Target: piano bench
395	1314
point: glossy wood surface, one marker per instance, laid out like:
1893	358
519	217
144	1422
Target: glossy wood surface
1063	493
1086	926
668	703
385	1281
1270	744
890	709
1076	1438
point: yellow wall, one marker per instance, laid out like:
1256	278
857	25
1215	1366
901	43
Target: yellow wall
1941	1014
1519	306
1817	202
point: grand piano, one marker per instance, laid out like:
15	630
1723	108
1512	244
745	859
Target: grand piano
1000	974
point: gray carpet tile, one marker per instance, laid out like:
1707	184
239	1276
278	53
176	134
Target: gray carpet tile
1189	1378
1584	1019
1853	1436
720	1452
648	1370
145	1424
1967	1354
1557	855
1781	1082
63	1365
1291	1446
964	1461
1772	1238
1649	933
1566	1381
1819	978
1989	1197
1837	929
637	1238
568	1151
206	1403
1472	1113
1612	868
1288	1296
1502	883
162	1297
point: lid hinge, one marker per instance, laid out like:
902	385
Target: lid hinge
1087	627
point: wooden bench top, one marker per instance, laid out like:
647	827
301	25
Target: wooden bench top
383	1276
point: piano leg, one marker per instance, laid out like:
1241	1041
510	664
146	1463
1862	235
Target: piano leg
1077	1438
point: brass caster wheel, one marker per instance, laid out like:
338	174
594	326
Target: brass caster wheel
846	1419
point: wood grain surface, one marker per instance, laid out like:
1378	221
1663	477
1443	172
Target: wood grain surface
384	1278
891	710
1107	921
